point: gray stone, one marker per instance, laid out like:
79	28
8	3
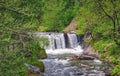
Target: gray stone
32	68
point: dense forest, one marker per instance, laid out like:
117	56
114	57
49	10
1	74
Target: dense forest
19	18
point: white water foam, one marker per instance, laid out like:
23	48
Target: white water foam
76	50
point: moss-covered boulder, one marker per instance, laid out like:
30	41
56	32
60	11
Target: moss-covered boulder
35	62
39	64
42	54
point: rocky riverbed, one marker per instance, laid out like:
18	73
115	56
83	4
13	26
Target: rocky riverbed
66	65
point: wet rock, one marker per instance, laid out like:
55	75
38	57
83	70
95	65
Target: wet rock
83	65
79	74
88	50
97	61
86	57
92	67
97	67
91	53
88	65
32	68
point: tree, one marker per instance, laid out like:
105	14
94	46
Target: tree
100	19
57	14
111	9
100	15
17	19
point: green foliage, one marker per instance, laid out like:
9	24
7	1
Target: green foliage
116	70
98	18
17	19
34	48
100	45
109	52
114	50
39	64
12	64
42	28
34	61
43	41
57	14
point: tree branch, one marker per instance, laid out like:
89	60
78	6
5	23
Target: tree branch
115	12
105	11
113	18
15	10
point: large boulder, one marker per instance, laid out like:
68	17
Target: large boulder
32	68
36	67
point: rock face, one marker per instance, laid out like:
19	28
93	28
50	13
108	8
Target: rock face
88	50
71	27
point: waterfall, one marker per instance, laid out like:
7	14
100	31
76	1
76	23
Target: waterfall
60	40
62	47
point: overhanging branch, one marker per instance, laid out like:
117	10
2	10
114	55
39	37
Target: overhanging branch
17	10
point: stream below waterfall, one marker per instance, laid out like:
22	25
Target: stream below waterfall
58	64
60	50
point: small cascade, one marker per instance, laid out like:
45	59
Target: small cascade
73	40
60	40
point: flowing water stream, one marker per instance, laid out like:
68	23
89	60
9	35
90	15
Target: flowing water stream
60	49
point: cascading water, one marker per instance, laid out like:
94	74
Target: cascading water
73	40
61	47
60	40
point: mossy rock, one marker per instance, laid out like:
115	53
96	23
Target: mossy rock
39	64
43	54
34	61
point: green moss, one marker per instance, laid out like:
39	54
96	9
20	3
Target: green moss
43	54
34	61
103	56
42	28
39	64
